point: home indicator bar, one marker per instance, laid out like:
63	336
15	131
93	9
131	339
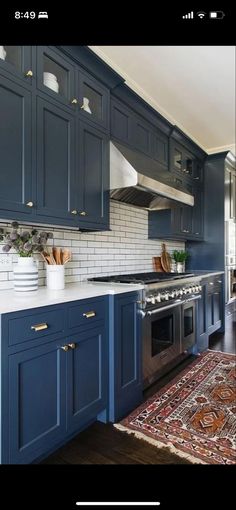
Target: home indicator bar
118	503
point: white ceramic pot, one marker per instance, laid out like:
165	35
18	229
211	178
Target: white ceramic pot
55	277
25	275
180	267
50	81
85	105
3	53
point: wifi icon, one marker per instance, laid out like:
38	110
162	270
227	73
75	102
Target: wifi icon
201	14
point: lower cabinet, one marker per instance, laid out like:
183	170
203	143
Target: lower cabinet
125	360
210	310
214	304
53	390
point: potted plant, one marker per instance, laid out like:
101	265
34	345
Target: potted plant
180	256
25	243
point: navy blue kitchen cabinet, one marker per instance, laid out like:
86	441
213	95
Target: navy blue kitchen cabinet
122	119
54	377
181	222
215	304
37	400
59	168
87	377
56	76
93	100
201	323
185	163
19	65
16	150
125	364
56	195
93	178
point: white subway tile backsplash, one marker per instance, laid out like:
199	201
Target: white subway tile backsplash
125	248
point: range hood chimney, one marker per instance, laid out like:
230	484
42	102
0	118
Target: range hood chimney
139	180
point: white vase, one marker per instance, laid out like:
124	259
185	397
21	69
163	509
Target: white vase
25	275
3	53
180	267
85	106
55	277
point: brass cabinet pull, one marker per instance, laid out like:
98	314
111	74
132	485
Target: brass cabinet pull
74	211
74	101
83	213
185	231
196	233
219	281
40	327
196	178
211	283
30	204
89	315
65	348
72	346
29	74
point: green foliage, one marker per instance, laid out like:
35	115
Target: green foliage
180	256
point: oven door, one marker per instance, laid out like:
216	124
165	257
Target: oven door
161	339
188	330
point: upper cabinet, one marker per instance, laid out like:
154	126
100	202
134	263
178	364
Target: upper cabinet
185	163
133	130
67	83
58	172
18	62
16	150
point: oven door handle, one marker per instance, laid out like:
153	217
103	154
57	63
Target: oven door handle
194	298
163	308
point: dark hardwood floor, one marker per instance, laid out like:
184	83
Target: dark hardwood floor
103	444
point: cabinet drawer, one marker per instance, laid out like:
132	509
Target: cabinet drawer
86	313
33	326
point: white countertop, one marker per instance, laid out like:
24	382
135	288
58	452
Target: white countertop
11	301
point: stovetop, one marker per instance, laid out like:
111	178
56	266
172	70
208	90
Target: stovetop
147	278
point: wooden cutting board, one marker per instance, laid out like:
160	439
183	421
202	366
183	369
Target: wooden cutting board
157	264
165	259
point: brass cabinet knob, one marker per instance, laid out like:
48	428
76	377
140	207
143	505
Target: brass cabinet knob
72	346
74	211
196	233
83	213
29	74
74	101
196	178
65	348
30	204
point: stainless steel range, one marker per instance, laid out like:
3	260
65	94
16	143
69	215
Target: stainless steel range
168	311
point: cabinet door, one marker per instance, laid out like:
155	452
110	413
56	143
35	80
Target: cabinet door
93	100
121	122
15	149
232	200
36	395
18	62
202	329
56	76
197	171
142	136
93	177
55	162
125	361
198	214
160	147
86	377
186	218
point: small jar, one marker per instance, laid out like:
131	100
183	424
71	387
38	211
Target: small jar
55	277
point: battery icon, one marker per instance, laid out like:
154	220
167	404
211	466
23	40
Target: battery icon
216	15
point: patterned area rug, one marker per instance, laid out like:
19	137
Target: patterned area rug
195	414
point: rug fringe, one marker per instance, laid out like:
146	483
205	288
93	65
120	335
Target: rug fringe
221	352
159	444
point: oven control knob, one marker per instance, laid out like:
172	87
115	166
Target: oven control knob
158	298
180	292
193	288
149	299
172	294
184	291
163	296
200	288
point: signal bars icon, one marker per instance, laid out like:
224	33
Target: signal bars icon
188	16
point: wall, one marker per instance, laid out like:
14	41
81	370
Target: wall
124	249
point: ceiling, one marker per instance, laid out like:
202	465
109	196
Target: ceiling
192	86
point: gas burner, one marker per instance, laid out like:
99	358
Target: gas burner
144	278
